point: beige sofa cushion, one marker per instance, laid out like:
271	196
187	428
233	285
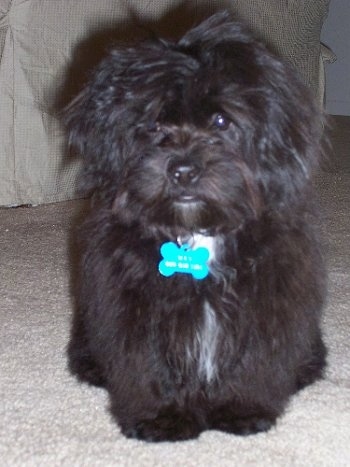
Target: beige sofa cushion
292	28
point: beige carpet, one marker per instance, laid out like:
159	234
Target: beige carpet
48	419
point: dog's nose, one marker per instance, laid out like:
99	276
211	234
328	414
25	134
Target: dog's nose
183	173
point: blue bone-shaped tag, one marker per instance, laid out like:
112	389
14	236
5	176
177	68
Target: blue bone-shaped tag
184	260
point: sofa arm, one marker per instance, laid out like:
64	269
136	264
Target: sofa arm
327	56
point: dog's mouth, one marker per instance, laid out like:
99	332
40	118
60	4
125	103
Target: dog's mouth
186	199
191	212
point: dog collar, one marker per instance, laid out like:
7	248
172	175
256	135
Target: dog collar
181	258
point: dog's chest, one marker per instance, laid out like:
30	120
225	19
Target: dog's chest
194	331
202	351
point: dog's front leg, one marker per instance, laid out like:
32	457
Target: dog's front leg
170	424
241	421
145	409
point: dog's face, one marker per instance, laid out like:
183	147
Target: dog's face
201	134
188	173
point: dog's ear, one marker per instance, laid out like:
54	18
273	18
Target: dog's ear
291	128
103	119
92	121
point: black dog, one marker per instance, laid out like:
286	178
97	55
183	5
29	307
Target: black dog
201	276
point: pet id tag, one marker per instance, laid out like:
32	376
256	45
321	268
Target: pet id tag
184	260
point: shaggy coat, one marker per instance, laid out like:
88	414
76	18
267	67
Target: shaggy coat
210	142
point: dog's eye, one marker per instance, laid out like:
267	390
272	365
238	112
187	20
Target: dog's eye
221	122
161	135
153	127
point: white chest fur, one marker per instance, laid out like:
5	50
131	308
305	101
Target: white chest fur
203	351
207	339
199	240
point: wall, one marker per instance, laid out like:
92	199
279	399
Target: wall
336	35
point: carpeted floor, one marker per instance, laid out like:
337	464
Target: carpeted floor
48	419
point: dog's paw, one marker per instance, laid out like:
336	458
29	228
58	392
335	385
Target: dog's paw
242	426
165	427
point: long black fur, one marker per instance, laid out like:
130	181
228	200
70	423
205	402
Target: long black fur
180	355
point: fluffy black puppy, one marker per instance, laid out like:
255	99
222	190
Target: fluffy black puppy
204	148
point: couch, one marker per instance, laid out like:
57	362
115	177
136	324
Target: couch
47	47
